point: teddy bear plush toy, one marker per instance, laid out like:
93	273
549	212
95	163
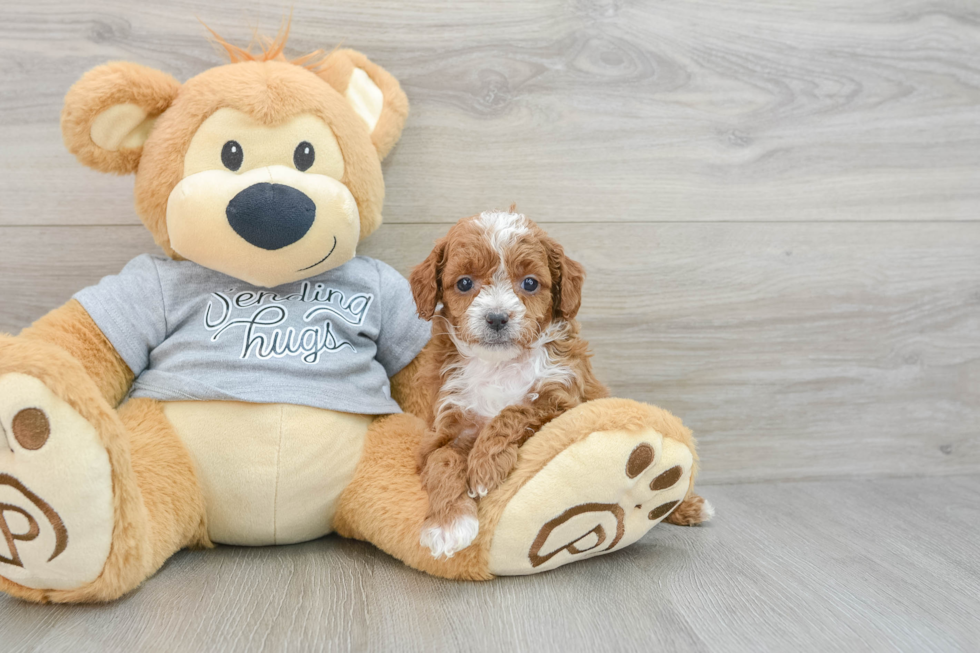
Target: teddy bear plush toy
255	385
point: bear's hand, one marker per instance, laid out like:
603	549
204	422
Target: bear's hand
71	329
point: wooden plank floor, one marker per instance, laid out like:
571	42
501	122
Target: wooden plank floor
779	208
871	565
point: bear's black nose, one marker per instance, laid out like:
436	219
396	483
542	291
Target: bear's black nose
271	216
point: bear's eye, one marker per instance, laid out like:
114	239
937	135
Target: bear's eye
303	156
530	284
232	155
465	284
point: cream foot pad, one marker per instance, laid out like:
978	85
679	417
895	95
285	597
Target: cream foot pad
56	510
599	495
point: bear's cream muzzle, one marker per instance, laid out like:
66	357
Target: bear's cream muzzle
267	226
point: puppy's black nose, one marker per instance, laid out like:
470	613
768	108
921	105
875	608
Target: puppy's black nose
497	321
271	216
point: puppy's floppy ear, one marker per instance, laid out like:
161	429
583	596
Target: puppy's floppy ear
372	92
426	282
567	278
110	111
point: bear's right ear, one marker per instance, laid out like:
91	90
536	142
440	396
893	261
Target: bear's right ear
110	111
373	93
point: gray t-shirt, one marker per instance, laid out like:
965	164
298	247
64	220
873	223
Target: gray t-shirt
330	341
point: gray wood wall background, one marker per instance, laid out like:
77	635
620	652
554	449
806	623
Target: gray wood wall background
777	203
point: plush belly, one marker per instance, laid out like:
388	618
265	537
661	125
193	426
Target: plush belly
271	473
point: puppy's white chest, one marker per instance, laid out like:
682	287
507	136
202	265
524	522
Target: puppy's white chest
485	388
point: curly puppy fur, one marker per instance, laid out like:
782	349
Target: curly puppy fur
506	359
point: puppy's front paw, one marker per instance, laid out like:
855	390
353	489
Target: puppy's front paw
450	538
487	469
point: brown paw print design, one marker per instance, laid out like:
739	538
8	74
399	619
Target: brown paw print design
30	427
609	519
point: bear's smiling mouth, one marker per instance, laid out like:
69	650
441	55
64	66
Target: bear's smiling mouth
323	259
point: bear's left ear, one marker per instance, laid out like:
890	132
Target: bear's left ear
372	92
110	111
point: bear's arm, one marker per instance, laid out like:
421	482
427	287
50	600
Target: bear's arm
413	388
73	329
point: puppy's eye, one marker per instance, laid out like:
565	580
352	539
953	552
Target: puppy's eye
232	155
303	156
530	284
465	284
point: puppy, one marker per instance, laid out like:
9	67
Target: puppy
505	359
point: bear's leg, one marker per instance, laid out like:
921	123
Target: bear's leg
92	500
166	478
592	481
386	505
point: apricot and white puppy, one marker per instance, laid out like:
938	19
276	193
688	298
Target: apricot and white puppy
506	359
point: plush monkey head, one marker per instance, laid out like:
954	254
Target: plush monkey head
264	169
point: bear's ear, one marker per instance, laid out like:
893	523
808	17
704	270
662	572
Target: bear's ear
110	111
372	92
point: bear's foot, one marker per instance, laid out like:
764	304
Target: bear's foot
598	495
56	490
